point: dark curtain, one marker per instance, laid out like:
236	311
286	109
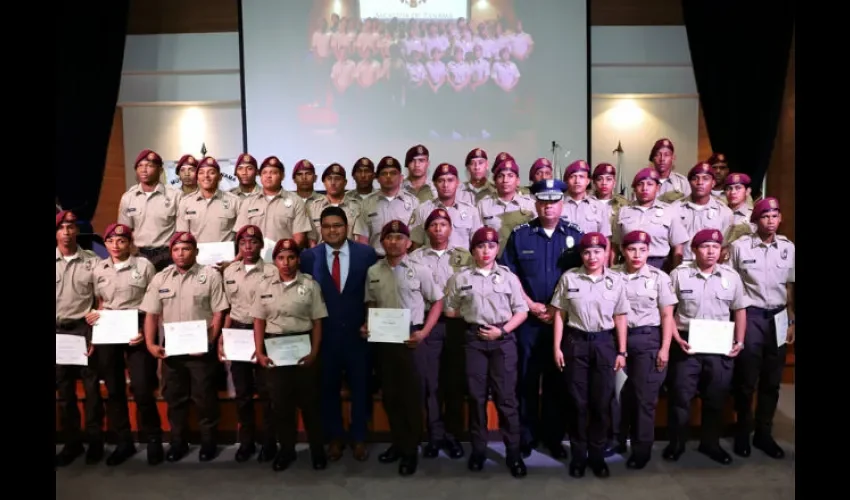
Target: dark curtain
90	50
740	56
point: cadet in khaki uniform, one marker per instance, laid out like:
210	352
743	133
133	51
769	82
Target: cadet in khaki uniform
497	211
304	176
290	304
604	179
391	202
417	162
241	280
590	346
699	210
187	171
120	281
440	359
650	331
591	215
673	185
277	212
246	172
540	170
711	291
465	217
149	208
334	180
187	291
363	172
489	298
478	186
209	213
655	218
399	283
766	262
736	194
74	299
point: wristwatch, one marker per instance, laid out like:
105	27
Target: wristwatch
623	354
504	333
791	322
738	344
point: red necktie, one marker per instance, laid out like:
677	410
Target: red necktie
335	273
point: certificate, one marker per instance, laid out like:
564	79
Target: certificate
71	350
186	337
116	327
268	248
781	321
238	344
389	326
708	336
210	254
287	350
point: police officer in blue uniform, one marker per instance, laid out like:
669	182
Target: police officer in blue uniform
539	252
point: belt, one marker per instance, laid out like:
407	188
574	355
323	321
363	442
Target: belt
643	330
590	335
240	326
153	250
70	324
765	313
497	325
287	334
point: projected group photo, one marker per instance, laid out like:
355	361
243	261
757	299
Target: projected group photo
427	67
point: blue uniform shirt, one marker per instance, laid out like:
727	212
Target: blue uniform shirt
538	260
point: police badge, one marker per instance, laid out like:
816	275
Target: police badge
497	278
410	273
609	283
784	254
302	290
202	278
571	242
287	203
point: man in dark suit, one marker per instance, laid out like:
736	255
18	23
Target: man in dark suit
339	265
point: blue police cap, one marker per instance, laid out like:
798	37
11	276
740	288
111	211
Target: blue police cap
548	189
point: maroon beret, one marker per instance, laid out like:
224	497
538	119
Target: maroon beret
182	237
646	173
636	237
537	165
118	230
437	213
272	161
65	216
575	167
659	145
387	162
700	168
246	159
209	161
484	234
303	165
149	155
733	179
717	159
509	164
475	153
333	169
285	244
707	236
363	162
500	158
762	206
444	169
185	160
395	227
250	231
594	239
418	150
604	169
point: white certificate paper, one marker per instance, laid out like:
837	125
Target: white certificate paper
268	248
210	254
238	344
287	350
781	321
389	326
708	336
186	337
71	350
116	327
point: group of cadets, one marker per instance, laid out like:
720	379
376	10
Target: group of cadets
534	297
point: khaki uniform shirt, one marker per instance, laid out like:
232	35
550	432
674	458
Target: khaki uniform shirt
289	308
279	218
408	285
376	210
674	187
591	302
423	194
240	286
660	221
191	296
123	286
590	214
707	297
353	195
648	291
351	208
472	195
485	300
237	191
765	269
712	215
493	209
209	220
75	284
465	221
152	217
614	205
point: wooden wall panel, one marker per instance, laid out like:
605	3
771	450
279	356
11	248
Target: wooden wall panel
781	177
113	177
703	143
636	13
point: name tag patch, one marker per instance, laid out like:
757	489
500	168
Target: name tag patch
467	287
164	290
572	290
230	282
750	261
686	291
266	296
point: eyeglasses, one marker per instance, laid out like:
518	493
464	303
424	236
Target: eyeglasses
338	225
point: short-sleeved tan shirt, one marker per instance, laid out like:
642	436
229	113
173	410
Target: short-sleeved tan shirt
713	297
765	269
660	221
237	191
75	284
648	291
279	218
123	285
210	220
240	285
152	216
191	296
351	207
712	215
408	285
590	214
465	221
591	302
377	209
492	209
427	192
470	194
485	299
289	308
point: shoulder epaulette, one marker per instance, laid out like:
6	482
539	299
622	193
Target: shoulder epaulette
570	224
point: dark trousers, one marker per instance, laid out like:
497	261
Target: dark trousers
437	366
639	396
542	414
113	362
710	376
191	377
160	257
493	365
658	262
589	358
401	395
452	375
66	387
250	379
291	388
758	369
349	356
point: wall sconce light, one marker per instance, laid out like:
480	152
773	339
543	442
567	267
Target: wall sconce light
626	114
